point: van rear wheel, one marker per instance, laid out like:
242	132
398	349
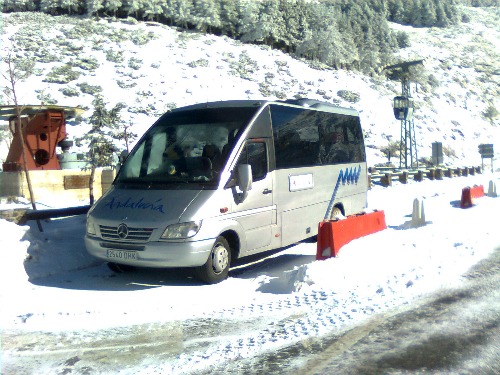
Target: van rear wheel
216	268
336	213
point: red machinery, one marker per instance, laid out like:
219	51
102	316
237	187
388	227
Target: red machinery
43	127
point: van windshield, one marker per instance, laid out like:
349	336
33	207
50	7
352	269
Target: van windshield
186	147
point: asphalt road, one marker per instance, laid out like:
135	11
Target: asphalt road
455	331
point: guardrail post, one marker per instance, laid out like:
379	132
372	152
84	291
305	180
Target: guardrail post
439	174
386	180
431	174
419	176
465	171
448	173
472	171
403	177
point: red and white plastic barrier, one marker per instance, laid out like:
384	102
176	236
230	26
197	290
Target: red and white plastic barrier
333	234
470	194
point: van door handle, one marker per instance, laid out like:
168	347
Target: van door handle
267	191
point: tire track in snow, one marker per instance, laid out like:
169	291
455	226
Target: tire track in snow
274	325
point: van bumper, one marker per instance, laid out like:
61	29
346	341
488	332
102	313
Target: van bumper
151	254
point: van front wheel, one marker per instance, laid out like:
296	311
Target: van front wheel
217	266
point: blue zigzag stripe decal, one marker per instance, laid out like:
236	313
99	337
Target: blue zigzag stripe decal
349	176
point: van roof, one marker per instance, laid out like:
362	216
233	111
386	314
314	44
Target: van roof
304	103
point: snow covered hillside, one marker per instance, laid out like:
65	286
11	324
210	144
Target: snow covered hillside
152	68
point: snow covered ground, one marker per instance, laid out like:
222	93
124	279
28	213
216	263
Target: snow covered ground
53	289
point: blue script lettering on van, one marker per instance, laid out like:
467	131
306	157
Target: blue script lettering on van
349	176
141	204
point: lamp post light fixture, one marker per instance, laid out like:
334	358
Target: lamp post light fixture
403	110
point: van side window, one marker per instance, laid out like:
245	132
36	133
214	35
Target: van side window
296	136
341	140
304	137
254	153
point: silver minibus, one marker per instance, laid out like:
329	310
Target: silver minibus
212	182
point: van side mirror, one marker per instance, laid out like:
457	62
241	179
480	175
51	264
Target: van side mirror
244	180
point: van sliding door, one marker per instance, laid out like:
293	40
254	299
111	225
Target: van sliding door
256	213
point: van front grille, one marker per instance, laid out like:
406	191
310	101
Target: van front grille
124	233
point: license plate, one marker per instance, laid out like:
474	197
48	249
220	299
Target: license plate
122	255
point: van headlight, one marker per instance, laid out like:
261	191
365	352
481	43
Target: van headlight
181	230
91	227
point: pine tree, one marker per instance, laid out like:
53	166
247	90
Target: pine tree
321	21
329	46
350	54
70	6
168	7
295	16
272	23
451	11
370	54
412	12
386	40
396	11
93	7
134	7
183	12
428	13
351	25
207	15
441	19
229	17
18	5
249	28
328	39
99	139
112	6
153	9
49	6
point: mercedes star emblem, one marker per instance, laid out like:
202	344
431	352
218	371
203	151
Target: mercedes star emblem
122	231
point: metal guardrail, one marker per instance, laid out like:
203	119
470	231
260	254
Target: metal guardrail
384	176
22	215
56	212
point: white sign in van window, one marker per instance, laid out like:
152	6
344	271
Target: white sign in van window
301	182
